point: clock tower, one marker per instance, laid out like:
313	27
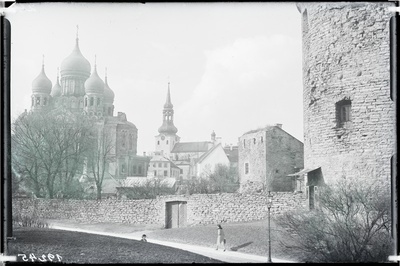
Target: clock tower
167	138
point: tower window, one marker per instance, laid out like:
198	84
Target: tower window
167	141
44	101
343	112
254	140
33	101
98	101
246	168
37	100
91	101
85	102
158	142
244	143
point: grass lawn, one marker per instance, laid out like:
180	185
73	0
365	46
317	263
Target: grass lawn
246	237
76	247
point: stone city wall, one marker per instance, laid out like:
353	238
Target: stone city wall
201	208
346	56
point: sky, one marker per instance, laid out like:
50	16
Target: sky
232	67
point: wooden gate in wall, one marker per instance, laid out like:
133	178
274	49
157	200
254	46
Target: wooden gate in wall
175	215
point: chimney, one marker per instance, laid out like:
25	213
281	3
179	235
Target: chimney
278	125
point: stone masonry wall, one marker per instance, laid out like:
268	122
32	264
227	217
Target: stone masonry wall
272	154
346	55
201	208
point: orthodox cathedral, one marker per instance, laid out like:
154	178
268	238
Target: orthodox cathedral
80	90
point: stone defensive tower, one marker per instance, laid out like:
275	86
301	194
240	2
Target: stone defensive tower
349	116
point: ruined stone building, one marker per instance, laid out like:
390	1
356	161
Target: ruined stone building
349	116
266	157
81	90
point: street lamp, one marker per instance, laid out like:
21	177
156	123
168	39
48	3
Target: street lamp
269	205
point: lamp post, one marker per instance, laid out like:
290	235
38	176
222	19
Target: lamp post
269	205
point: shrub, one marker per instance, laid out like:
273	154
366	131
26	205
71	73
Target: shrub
351	224
28	221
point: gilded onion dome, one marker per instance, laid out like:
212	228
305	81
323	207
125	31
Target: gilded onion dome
41	84
108	93
94	84
75	63
56	90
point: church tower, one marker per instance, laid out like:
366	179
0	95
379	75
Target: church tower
167	138
75	70
94	89
41	89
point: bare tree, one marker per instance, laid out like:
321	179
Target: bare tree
100	155
43	148
352	223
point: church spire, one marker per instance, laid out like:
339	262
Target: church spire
168	103
168	116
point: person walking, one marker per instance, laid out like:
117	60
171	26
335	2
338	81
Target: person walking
220	237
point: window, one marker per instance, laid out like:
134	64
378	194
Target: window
37	100
91	101
246	168
167	141
165	173
140	169
181	171
130	141
155	173
254	140
343	112
262	139
85	102
244	143
123	168
158	142
154	165
165	165
123	143
98	101
134	169
159	165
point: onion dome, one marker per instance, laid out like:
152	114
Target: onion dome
94	84
41	84
75	63
168	127
56	90
108	93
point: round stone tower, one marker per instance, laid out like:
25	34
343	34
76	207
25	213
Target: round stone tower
349	116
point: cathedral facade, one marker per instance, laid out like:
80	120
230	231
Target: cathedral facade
80	90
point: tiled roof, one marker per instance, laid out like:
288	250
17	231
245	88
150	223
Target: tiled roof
191	147
233	155
202	157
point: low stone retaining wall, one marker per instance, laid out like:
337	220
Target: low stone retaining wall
200	208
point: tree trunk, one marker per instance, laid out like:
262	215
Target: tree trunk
98	191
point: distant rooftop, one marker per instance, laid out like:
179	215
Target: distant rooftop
191	147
